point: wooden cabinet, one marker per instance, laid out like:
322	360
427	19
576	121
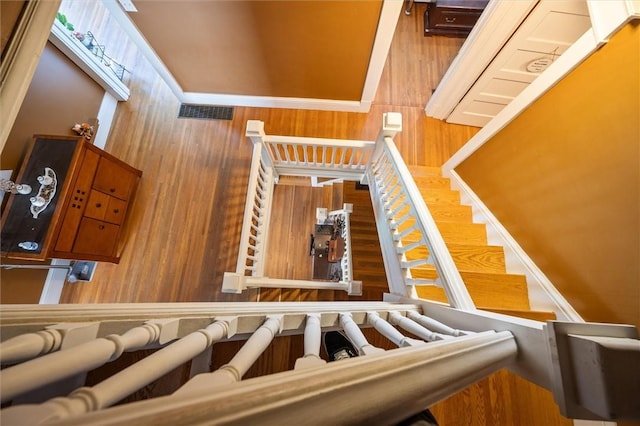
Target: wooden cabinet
452	17
83	220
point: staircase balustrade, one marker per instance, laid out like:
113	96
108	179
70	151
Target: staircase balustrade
201	325
28	376
274	156
341	219
316	157
400	211
255	225
579	362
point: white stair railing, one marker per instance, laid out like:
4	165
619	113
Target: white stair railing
400	210
257	217
342	220
235	283
317	157
192	328
453	349
273	156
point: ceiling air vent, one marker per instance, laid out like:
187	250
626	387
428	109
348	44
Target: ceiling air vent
206	112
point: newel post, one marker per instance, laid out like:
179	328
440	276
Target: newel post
255	132
391	126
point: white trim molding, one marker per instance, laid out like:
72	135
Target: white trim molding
273	102
382	43
608	17
54	283
496	25
543	296
87	61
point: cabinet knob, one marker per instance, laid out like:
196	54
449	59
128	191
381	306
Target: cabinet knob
116	210
101	227
98	205
450	20
112	189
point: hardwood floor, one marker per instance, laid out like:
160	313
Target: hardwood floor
184	227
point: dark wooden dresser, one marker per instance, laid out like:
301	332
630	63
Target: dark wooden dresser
88	194
452	17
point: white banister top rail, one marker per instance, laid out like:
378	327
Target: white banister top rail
304	140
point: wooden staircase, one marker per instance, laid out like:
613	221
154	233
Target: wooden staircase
482	266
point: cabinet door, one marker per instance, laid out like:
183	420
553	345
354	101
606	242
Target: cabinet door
115	211
113	179
105	207
96	237
97	205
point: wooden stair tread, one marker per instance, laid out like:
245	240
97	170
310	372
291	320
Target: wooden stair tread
432	182
459	213
456	233
440	196
504	291
487	298
469	257
419	171
500	280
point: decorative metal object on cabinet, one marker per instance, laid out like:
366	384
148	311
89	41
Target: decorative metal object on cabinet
452	17
84	219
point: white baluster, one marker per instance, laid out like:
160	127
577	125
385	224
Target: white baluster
240	363
355	335
30	345
296	148
415	328
343	153
37	372
312	340
388	331
127	381
432	324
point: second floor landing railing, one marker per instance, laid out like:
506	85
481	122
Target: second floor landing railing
185	332
273	156
47	350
